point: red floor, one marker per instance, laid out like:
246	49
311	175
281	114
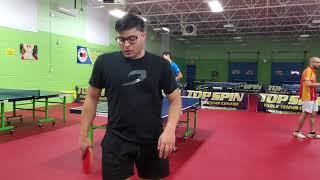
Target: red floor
29	127
228	145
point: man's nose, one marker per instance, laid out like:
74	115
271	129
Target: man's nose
126	43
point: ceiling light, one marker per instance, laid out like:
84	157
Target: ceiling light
215	6
304	35
232	30
165	29
237	38
317	21
228	26
315	26
295	44
181	39
69	12
117	13
157	29
144	19
302	39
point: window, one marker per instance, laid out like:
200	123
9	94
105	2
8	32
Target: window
243	72
286	72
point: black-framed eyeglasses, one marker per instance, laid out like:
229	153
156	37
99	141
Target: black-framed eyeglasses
131	39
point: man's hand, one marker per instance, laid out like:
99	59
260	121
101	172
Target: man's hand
85	142
87	115
166	144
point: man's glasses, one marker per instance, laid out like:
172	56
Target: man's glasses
131	39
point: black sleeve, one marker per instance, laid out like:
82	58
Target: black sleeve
168	82
97	76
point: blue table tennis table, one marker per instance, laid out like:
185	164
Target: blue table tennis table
28	97
189	105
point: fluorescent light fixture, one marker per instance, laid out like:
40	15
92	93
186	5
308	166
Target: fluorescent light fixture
232	30
215	6
302	39
63	9
165	29
112	1
317	21
144	19
157	29
117	13
295	44
237	38
228	26
67	11
304	35
311	26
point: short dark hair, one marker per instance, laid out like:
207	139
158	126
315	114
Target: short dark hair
166	53
130	21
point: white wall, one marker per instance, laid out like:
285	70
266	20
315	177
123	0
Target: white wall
19	14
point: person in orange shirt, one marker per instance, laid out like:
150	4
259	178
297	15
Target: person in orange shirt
308	95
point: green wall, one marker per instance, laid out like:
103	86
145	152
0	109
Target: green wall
153	42
178	54
56	68
213	55
57	40
58	37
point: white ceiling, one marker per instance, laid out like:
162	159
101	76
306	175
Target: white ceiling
251	18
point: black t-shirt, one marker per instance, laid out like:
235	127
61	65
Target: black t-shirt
133	89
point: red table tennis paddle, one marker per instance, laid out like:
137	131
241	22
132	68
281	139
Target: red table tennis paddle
87	161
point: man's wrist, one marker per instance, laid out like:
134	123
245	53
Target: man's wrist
170	128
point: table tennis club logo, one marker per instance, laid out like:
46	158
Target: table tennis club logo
83	55
139	75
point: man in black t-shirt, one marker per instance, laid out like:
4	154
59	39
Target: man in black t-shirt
134	80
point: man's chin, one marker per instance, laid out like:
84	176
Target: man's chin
127	55
130	55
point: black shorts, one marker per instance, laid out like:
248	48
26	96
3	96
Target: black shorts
119	157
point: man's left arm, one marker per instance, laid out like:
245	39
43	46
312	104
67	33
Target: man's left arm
177	72
179	76
166	143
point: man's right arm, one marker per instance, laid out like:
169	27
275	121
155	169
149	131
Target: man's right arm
87	115
307	76
309	83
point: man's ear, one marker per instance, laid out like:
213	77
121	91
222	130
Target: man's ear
144	35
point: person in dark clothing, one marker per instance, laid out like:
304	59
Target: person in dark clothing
134	80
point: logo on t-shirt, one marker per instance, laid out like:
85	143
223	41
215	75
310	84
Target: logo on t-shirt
142	74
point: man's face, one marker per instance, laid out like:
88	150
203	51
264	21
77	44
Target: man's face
315	63
131	43
166	56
